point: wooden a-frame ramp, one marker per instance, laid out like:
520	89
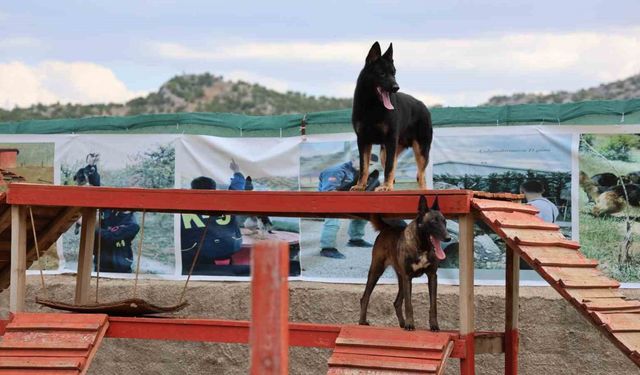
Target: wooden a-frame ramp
357	350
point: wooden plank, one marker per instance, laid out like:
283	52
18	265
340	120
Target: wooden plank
5	219
609	304
536	237
397	344
55	318
41	363
44	325
343	370
435	355
620	322
519	220
585	295
580	277
45	345
269	336
273	203
56	227
18	258
631	340
384	362
85	256
393	337
557	256
467	304
485	205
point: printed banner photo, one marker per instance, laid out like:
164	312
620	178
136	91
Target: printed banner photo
609	203
214	163
122	161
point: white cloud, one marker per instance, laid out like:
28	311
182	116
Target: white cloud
603	55
56	81
247	76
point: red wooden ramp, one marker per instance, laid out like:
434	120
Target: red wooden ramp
366	350
559	261
51	343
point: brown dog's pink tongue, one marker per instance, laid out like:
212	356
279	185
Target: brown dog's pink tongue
438	247
384	97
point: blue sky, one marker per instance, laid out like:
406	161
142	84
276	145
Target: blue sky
449	52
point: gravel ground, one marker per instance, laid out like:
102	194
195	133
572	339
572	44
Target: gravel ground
356	265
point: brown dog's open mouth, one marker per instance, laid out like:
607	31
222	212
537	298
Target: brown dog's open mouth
384	98
438	248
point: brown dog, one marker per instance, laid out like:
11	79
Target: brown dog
412	250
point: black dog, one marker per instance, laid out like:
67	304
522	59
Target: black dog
383	116
89	173
412	250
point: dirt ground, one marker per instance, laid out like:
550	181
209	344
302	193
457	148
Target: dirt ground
555	339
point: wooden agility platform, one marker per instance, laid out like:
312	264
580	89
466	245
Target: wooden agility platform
540	244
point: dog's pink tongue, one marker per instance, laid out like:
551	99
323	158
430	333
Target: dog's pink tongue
384	96
438	247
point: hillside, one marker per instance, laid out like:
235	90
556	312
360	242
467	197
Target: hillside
624	89
190	93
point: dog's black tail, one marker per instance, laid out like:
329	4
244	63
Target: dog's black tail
377	222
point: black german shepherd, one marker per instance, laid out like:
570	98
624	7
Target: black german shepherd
412	250
394	120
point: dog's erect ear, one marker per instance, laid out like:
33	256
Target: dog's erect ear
422	207
389	54
374	53
435	206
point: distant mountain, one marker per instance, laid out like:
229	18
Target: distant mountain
191	93
624	89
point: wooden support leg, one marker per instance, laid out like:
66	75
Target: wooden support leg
85	255
467	313
511	334
269	335
18	258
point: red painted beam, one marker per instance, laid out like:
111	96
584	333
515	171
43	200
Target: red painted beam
237	331
210	330
273	203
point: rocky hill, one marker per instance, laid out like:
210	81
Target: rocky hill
191	93
624	89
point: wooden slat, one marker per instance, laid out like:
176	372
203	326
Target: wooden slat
69	363
584	295
485	205
341	370
389	351
520	220
620	322
536	237
610	304
44	326
580	277
557	256
397	344
45	345
384	362
631	340
55	318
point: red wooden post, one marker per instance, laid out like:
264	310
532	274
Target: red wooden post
467	305
269	336
511	335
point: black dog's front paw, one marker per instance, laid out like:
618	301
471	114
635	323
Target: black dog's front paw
365	323
434	328
409	327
